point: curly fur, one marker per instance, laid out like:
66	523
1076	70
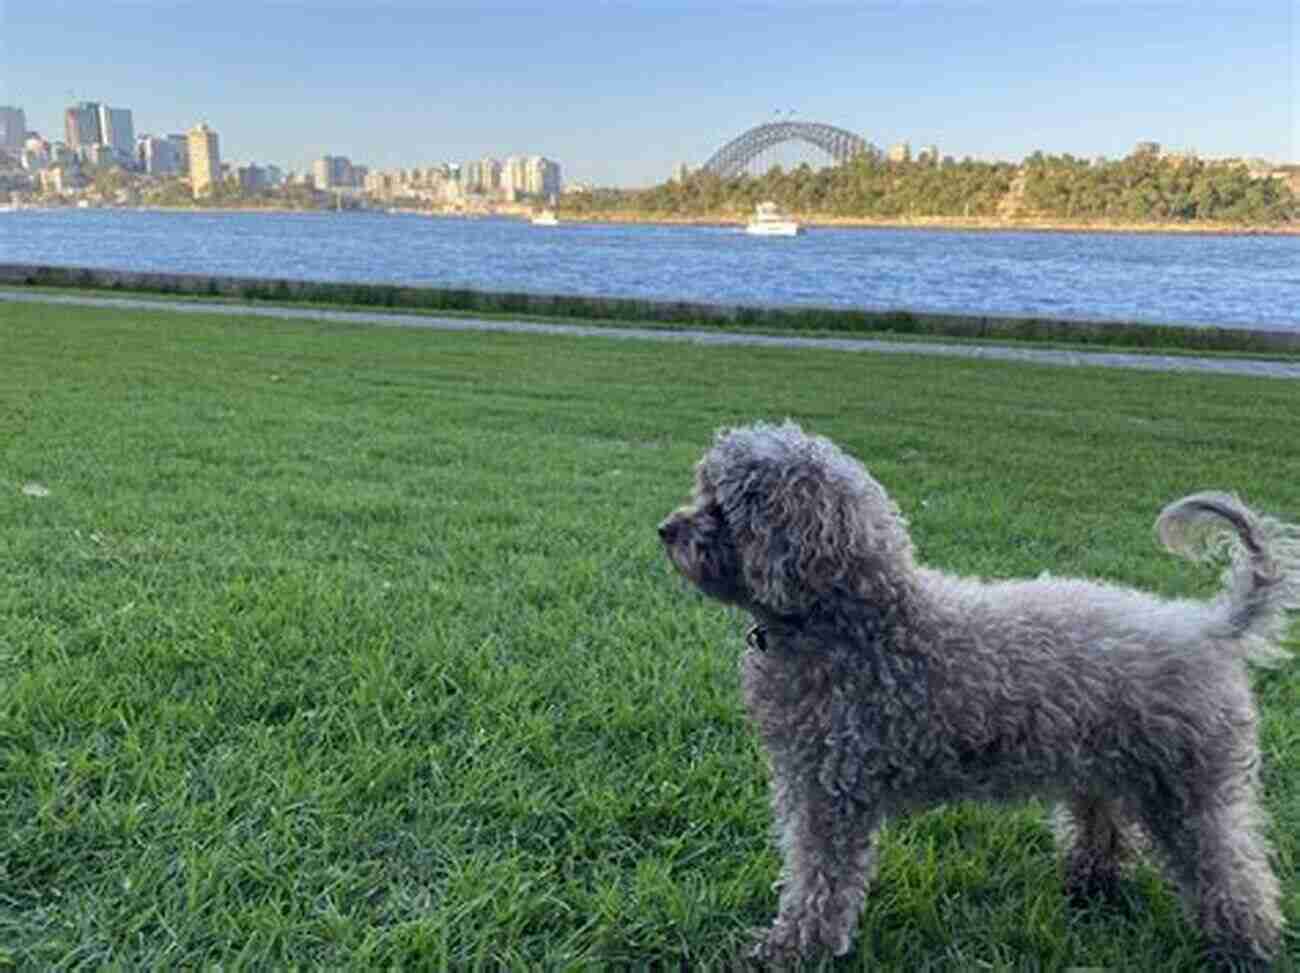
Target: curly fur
879	686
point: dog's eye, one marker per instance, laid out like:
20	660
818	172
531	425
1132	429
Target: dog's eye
717	517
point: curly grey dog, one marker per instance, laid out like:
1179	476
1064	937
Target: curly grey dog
879	687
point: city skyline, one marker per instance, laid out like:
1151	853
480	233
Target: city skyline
624	92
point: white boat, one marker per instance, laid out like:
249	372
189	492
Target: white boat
768	220
546	218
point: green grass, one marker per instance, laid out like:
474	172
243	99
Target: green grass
353	647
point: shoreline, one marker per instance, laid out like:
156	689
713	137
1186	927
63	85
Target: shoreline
1150	361
972	224
809	220
926	324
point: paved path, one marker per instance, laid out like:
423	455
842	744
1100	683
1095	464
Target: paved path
1045	356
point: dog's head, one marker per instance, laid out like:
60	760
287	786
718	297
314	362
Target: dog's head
781	520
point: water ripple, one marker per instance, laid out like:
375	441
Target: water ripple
1231	281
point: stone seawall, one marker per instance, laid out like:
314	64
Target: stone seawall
846	321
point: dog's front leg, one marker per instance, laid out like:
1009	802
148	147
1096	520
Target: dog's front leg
828	846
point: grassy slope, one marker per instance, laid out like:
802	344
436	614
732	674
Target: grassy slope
354	646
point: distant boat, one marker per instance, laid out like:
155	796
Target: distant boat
546	217
768	220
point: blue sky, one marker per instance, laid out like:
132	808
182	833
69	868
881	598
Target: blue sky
620	91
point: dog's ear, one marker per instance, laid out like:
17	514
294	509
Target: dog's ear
804	534
790	527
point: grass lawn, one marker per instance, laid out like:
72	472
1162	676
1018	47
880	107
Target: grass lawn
354	647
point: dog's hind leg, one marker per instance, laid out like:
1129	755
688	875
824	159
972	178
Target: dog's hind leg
1238	894
1097	840
1219	858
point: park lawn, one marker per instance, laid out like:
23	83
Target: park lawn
354	647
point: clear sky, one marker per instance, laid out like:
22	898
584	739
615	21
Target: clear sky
618	91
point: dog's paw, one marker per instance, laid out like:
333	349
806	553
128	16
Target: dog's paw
776	947
1086	887
1090	884
791	941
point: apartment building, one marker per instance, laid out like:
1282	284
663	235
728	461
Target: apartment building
336	172
531	175
162	156
13	130
81	126
542	177
481	176
117	131
205	159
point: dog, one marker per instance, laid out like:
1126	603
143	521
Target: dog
879	687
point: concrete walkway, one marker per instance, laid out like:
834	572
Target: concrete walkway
1042	356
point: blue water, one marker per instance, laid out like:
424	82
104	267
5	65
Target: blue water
1232	281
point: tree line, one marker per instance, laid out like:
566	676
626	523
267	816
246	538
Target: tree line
1141	188
1146	187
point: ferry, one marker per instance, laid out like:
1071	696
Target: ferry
546	217
768	220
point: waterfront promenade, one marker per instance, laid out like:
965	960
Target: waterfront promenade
1041	356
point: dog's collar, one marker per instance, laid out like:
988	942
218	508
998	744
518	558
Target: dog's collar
757	636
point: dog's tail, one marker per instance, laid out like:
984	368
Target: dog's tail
1262	582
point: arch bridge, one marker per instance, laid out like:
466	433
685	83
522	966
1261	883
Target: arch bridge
838	143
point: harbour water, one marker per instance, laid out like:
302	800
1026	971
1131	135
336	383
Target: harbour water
1241	281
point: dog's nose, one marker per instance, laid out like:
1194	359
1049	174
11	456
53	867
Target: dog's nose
667	529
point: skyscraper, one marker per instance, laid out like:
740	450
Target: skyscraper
161	157
13	130
205	159
490	170
334	172
81	126
543	176
180	142
117	131
514	176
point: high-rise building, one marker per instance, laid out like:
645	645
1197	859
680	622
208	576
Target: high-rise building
13	130
333	172
81	126
159	157
471	176
37	153
88	124
117	131
251	177
205	159
514	176
97	154
180	143
490	172
543	176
